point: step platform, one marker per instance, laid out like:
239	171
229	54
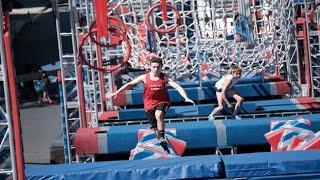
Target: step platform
292	135
185	111
149	147
313	142
283	134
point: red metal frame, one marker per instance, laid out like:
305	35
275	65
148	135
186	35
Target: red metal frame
19	160
101	7
102	31
307	75
307	60
81	93
305	70
103	21
163	5
164	9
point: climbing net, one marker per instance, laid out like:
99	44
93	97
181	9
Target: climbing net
208	34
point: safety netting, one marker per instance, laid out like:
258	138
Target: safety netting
200	37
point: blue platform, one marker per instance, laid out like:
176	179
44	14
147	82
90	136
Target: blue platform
248	107
203	134
243	80
183	111
135	97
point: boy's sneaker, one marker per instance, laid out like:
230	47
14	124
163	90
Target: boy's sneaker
40	101
164	145
210	117
236	117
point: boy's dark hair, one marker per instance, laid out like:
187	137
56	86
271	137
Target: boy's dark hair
156	60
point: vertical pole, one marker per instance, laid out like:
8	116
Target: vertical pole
62	117
309	74
101	17
306	48
14	100
78	67
64	97
7	98
81	94
102	33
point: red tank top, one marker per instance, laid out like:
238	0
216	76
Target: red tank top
155	92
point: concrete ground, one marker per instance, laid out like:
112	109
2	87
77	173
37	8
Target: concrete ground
40	127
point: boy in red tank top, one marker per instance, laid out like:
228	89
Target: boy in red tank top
155	97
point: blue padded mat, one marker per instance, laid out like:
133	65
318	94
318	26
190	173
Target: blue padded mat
275	165
271	163
176	168
291	176
206	134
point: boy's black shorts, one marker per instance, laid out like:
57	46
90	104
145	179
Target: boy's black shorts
218	90
151	113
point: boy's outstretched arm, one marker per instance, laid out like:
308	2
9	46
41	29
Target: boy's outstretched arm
181	91
126	86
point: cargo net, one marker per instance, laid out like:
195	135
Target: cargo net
210	35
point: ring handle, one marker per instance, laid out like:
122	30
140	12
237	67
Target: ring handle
114	31
122	28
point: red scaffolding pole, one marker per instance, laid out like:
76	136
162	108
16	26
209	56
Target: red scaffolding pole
101	8
19	160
